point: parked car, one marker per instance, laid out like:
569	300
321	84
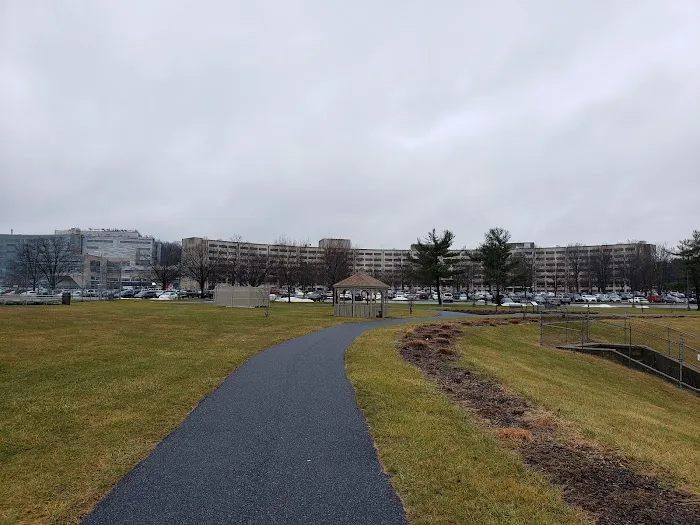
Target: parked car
614	298
147	294
507	301
447	297
587	298
672	299
127	294
316	296
639	300
170	295
655	299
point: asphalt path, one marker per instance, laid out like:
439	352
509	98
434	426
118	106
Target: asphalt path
282	440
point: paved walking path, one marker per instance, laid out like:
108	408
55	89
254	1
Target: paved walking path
282	440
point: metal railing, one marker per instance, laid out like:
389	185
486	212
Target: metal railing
622	332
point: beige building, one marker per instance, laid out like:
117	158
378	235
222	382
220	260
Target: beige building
550	269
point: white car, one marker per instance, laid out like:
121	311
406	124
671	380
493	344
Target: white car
447	297
293	299
587	298
639	300
507	301
168	296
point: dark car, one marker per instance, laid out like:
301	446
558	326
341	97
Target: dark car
127	294
316	296
147	294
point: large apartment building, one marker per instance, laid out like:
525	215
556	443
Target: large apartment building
555	269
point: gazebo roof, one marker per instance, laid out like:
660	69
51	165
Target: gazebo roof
361	280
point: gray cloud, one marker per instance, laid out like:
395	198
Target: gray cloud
561	123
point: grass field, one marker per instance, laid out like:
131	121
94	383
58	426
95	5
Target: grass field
445	469
86	391
644	418
426	443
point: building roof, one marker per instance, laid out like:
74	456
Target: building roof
361	280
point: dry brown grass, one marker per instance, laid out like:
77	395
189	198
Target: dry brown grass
515	435
417	344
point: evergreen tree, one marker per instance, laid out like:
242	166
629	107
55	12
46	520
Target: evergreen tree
433	258
496	260
689	252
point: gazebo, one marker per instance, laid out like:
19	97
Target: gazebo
360	295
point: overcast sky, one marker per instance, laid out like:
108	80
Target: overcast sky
375	121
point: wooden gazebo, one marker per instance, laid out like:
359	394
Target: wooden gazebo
360	295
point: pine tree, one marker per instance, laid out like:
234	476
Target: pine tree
433	258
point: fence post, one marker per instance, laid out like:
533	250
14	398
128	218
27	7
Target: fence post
582	332
540	328
669	341
680	363
629	348
588	324
624	329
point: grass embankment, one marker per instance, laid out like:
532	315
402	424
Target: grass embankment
86	391
647	311
643	418
445	468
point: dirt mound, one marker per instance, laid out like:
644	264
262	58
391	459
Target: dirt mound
593	479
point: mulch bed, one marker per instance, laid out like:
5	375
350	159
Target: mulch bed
596	480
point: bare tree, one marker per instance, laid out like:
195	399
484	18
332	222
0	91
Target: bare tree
254	269
336	262
165	264
574	261
196	263
662	267
641	267
287	264
25	268
601	266
57	258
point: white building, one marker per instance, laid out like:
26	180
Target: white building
132	250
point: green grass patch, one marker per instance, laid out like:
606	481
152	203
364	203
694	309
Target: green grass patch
87	391
444	468
639	416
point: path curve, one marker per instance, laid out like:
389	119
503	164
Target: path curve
282	440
